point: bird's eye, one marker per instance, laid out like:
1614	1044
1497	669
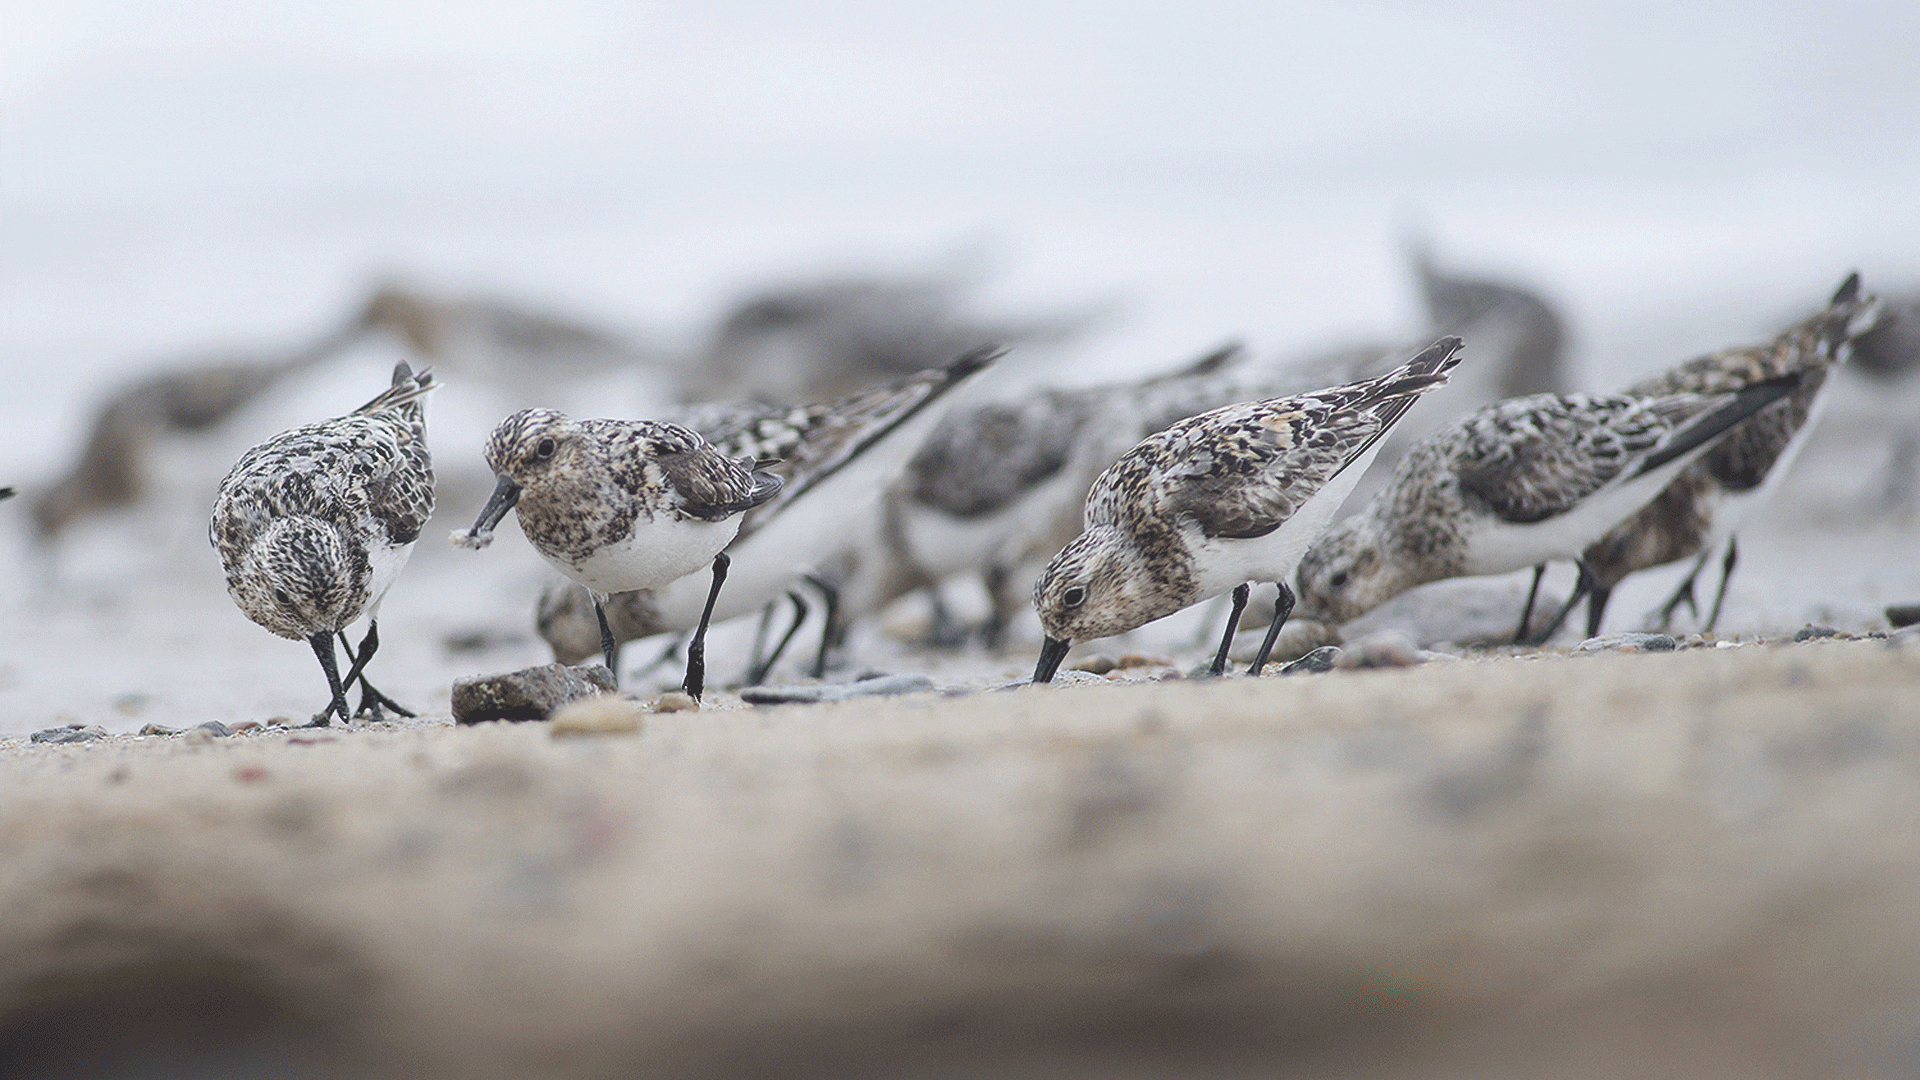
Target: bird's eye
544	449
283	598
1074	596
1338	579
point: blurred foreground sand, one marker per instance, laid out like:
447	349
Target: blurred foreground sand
1701	864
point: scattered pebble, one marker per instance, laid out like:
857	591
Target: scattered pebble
158	729
1138	660
884	686
1811	632
528	694
1315	662
676	701
1097	664
604	715
214	728
72	733
1629	642
246	726
1380	649
1899	615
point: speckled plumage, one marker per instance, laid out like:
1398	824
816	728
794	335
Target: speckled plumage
313	525
1703	505
1517	484
1220	499
810	442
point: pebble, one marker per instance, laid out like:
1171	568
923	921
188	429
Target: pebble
884	686
1315	662
1297	638
1811	632
158	729
1899	615
604	715
1629	642
1097	664
1134	660
207	732
1380	649
528	694
71	733
676	701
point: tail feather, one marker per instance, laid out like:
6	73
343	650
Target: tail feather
407	387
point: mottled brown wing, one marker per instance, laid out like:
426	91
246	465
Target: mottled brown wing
1529	459
1245	475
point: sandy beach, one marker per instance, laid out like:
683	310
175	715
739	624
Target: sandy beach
1700	863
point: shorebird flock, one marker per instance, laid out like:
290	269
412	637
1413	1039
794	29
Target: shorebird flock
1110	506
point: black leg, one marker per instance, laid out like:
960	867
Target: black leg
830	629
696	680
944	631
609	648
1240	594
1282	607
1597	598
1560	617
1726	574
323	648
1683	594
757	657
371	699
1526	613
800	609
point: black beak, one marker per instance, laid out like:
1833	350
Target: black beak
505	495
1054	651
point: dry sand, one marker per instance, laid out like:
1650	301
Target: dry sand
1702	864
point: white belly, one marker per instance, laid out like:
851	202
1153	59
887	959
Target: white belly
384	563
657	553
1501	547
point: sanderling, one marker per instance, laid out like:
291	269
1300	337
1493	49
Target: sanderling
835	456
1703	505
620	504
1518	484
314	524
1218	500
1001	483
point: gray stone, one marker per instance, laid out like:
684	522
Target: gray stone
1815	633
528	694
72	733
884	686
1315	662
158	729
1630	642
1899	615
214	728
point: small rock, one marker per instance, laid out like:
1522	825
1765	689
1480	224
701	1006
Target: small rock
1380	649
884	686
1139	660
604	715
1811	632
528	694
70	734
1297	638
676	701
246	726
1315	662
214	728
1899	615
1097	664
1060	678
1630	642
159	729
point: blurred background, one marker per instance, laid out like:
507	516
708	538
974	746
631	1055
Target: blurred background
180	178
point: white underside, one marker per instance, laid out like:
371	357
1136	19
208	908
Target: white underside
942	545
1225	564
657	553
384	563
